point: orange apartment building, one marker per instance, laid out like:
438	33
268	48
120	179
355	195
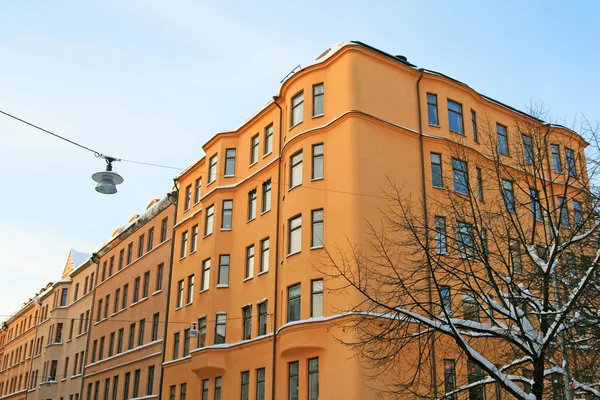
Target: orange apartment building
125	343
250	316
62	336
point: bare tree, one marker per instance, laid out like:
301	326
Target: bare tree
496	266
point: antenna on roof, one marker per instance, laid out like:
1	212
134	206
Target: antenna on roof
292	72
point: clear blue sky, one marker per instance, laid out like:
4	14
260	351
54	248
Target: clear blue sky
153	80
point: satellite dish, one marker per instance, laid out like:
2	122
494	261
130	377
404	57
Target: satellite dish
107	180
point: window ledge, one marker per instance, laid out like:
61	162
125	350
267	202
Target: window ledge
203	290
178	308
228	176
211	182
458	133
188	304
253	164
318	116
247	279
186	210
63	379
205	236
181	258
437	187
434	125
250	220
225	229
222	285
192	252
157	292
264	212
317	179
294	187
294	253
267	154
317	247
80	335
296	124
262	272
68	341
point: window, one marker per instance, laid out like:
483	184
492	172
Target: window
126	385
184	240
176	345
296	169
293	380
230	162
94	349
445	302
155	326
131	335
136	382
460	176
269	139
264	255
260	384
475	374
223	270
295	235
570	261
570	157
125	292
509	195
141	332
194	239
106	306
293	313
120	340
129	253
163	229
121	258
227	214
205	274
150	239
249	272
245	385
266	195
556	164
527	149
455	118
450	378
220	328
183	391
188	198
111	344
197	189
464	239
251	204
101	349
212	169
564	215
218	388
201	331
103	271
318	100
59	328
99	313
208	222
262	318
318	163
172	392
432	110
254	149
317	229
502	139
436	170
146	284
247	322
577	215
150	384
190	289
534	203
474	125
205	384
479	183
316	298
297	109
313	379
186	342
159	276
515	255
180	294
63	297
470	306
136	290
106	388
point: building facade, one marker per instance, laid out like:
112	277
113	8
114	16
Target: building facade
125	346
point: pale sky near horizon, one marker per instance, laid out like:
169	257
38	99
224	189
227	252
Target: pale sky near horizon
153	80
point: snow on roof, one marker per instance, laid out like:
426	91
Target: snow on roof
78	258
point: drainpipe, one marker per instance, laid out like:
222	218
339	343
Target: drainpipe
95	258
276	287
425	220
32	354
567	375
164	343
